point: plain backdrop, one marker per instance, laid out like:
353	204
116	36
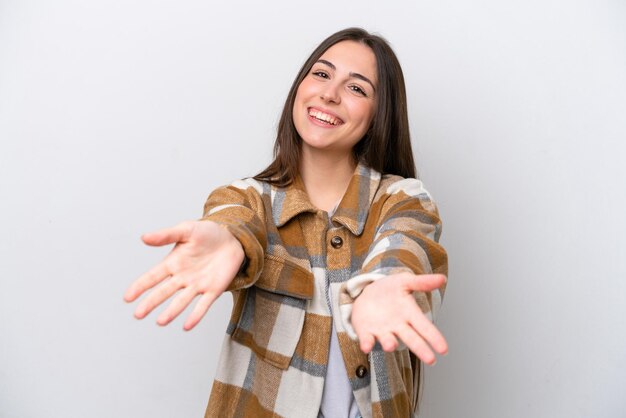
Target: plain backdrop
119	117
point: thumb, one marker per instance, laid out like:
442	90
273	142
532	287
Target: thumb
425	282
178	233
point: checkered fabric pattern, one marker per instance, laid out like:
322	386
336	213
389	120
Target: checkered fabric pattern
274	356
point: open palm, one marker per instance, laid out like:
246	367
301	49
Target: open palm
203	262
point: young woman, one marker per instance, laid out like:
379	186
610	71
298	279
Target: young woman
330	253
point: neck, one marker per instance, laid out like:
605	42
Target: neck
326	177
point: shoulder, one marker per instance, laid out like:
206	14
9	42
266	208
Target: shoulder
248	188
249	184
395	189
240	193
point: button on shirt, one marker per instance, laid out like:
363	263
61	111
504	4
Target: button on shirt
275	355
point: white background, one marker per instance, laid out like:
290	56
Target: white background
119	117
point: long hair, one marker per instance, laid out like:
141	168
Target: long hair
386	147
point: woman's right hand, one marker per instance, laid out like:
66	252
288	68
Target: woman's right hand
203	262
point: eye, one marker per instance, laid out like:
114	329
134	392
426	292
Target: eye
320	73
357	90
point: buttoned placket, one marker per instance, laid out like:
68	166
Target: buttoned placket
338	243
336	246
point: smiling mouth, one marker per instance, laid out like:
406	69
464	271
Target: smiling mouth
324	117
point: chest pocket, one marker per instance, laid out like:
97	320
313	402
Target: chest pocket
273	311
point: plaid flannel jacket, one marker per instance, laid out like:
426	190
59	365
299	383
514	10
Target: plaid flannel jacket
273	359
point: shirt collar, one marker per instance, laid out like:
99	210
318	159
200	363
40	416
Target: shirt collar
352	211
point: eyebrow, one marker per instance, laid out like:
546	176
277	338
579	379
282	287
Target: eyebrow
355	75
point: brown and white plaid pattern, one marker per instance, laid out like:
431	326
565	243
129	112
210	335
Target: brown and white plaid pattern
273	360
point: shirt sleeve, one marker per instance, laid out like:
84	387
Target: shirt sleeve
239	208
406	240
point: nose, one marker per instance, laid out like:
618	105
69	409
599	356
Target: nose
330	93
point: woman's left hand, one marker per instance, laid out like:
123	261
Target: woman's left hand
386	310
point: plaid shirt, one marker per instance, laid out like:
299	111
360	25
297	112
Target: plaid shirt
274	356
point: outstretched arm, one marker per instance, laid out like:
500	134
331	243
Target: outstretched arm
208	255
400	285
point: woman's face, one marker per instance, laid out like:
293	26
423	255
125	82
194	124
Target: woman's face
335	102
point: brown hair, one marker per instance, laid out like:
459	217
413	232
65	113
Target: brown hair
386	147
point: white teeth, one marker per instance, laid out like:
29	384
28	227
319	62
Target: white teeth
324	117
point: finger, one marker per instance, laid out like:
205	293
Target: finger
388	342
425	282
429	332
416	344
180	302
146	281
366	342
201	308
178	233
156	297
